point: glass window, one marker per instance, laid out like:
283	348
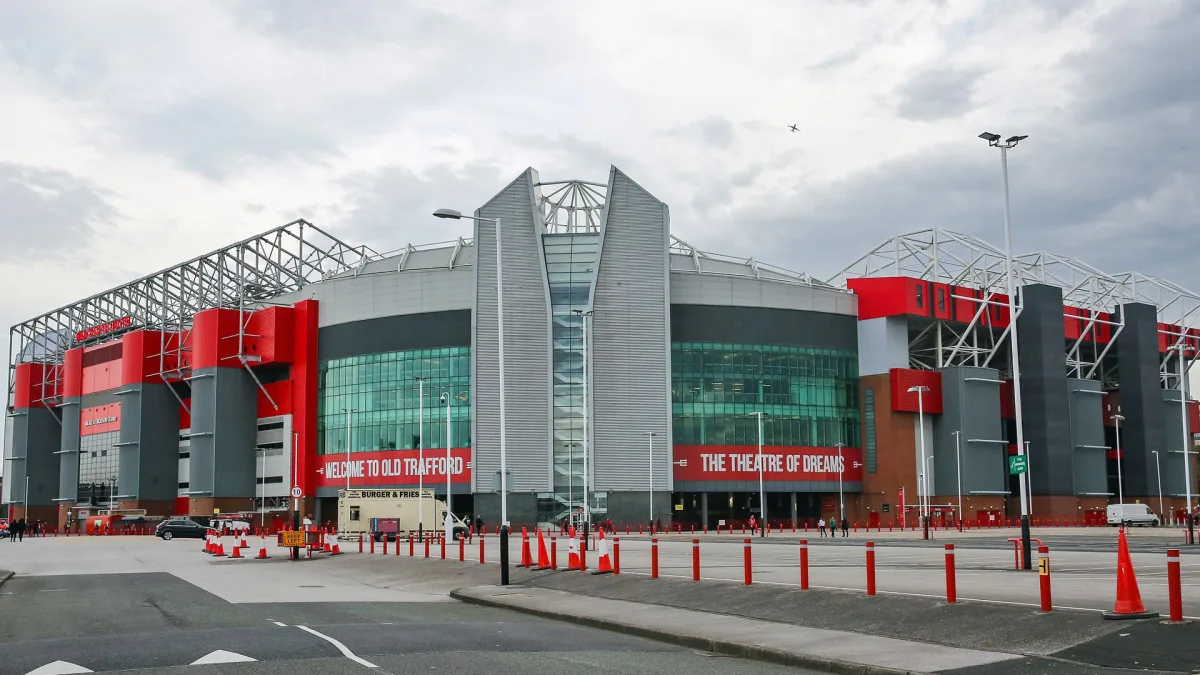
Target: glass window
920	297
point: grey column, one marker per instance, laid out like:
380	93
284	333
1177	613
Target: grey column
1141	400
1046	403
149	443
68	453
795	511
224	433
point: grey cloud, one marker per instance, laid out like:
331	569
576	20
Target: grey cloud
48	212
715	131
836	61
254	208
936	95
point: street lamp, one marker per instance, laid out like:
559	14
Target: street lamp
762	495
958	463
1187	439
420	456
456	215
349	412
650	435
587	506
920	392
1158	470
1117	419
1009	143
841	498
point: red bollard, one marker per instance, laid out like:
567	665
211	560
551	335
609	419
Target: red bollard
616	564
360	548
554	553
695	560
442	542
372	540
1174	586
410	545
804	564
462	548
582	559
746	556
1044	576
951	586
654	558
385	544
481	549
426	547
870	568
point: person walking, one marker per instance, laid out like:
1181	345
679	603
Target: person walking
821	526
845	527
19	530
753	526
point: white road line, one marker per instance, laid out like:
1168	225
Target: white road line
341	647
277	623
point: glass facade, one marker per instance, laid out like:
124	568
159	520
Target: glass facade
809	395
98	461
385	397
570	265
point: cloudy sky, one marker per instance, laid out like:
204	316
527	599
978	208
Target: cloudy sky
139	134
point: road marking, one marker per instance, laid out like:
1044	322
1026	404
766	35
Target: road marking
341	647
59	668
277	623
222	656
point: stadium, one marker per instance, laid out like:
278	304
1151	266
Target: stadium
641	376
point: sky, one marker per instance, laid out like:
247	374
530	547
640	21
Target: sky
140	134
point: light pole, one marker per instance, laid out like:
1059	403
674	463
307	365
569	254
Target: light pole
1187	440
349	412
1158	470
587	505
958	463
420	456
650	435
1011	142
449	532
456	215
920	392
1117	419
762	495
841	498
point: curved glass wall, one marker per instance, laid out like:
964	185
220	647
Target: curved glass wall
385	397
810	395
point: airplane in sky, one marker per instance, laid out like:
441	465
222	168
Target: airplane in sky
793	128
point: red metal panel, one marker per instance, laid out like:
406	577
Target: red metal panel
181	506
281	393
942	305
1103	331
1012	448
879	296
739	463
214	339
304	392
274	331
73	373
396	467
964	310
26	378
99	419
1165	341
1073	322
905	401
1110	403
1193	408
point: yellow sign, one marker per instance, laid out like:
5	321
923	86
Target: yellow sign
679	507
216	512
1044	567
291	539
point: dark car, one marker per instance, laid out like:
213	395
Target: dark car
188	529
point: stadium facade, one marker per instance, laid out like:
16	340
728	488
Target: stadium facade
223	383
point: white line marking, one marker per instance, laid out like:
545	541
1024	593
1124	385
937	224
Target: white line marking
341	647
222	656
59	668
277	623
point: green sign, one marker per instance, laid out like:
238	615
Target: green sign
1017	464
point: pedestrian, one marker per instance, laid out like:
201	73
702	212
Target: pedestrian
659	526
479	523
20	530
821	526
845	527
753	525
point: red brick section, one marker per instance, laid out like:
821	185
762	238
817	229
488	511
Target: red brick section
895	453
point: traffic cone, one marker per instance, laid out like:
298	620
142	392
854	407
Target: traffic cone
221	547
604	565
244	544
262	550
237	550
573	551
1129	599
543	555
526	555
208	541
335	550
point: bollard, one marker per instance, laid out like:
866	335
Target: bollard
385	544
360	544
372	539
462	548
616	564
951	586
654	558
583	558
804	564
553	553
426	546
870	568
695	560
746	560
410	545
442	541
1044	576
1174	587
480	549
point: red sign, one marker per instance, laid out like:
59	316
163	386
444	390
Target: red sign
100	419
779	463
95	331
394	467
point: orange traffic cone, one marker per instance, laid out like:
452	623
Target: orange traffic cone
262	551
237	550
1129	599
543	556
335	550
208	541
220	547
604	566
325	547
573	551
526	556
244	544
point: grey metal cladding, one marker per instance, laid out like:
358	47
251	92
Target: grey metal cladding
1171	452
763	326
158	449
1045	403
35	443
224	431
971	404
128	441
882	345
630	341
395	333
1141	400
1087	437
68	458
526	343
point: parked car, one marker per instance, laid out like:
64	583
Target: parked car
1131	514
179	527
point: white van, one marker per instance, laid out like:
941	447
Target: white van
1131	514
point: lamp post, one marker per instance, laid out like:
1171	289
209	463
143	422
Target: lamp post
349	420
958	464
920	392
762	495
1009	143
445	397
841	498
1158	470
587	504
1187	440
420	456
456	215
650	435
1117	419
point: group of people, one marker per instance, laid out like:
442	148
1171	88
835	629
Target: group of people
18	528
833	527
